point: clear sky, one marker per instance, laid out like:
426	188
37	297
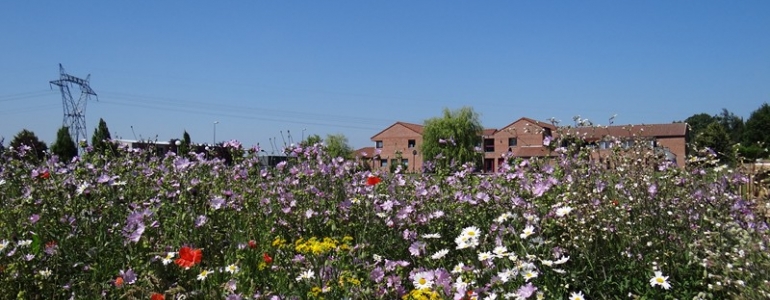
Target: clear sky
267	68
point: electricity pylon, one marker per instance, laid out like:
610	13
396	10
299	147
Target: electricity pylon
74	111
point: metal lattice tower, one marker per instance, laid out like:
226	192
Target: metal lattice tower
74	111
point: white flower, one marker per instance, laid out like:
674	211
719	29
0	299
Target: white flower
3	245
24	243
232	269
547	262
169	257
377	258
431	236
529	230
502	218
202	276
490	296
440	254
460	284
660	280
506	275
563	211
561	260
458	268
500	251
423	280
2	181
471	232
483	256
307	274
577	296
529	274
45	273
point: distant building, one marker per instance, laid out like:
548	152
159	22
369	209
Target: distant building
400	142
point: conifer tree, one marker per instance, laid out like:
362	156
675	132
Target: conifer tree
29	139
100	141
64	147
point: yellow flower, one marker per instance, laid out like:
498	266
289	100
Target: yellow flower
422	294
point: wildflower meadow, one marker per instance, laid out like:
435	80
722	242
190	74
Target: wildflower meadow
133	225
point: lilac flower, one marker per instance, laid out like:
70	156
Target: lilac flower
377	274
34	218
200	221
526	291
217	203
128	276
416	248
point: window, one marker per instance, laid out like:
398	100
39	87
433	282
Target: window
605	145
489	145
512	142
378	144
384	162
411	143
405	162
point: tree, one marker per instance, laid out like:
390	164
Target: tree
450	140
184	147
64	147
337	146
716	137
100	141
26	138
733	125
757	129
697	123
311	140
2	148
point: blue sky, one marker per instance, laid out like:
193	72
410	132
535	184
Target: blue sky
267	68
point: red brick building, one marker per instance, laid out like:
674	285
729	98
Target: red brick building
400	143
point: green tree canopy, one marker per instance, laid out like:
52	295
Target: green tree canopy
698	123
757	129
64	147
29	139
715	137
733	125
450	140
311	140
100	141
337	146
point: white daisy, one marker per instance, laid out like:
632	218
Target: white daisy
500	251
458	268
440	254
471	232
561	260
529	230
202	276
3	245
24	243
529	274
307	274
423	280
232	269
45	273
506	275
577	296
660	280
484	256
431	236
504	217
168	259
563	211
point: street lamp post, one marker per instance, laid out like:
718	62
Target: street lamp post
215	132
414	160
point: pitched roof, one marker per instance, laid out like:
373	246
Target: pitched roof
644	130
533	122
413	127
364	152
488	132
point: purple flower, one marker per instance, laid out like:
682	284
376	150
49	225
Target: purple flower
377	275
200	221
217	202
128	276
525	291
34	218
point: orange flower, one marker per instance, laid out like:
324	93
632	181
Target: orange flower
188	257
45	175
119	281
268	260
373	180
157	296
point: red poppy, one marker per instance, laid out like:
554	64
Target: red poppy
373	180
188	257
252	244
119	281
45	175
157	296
268	260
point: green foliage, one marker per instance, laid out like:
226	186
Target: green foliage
64	147
101	139
757	129
337	146
311	140
184	147
450	140
716	138
698	123
733	124
29	139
